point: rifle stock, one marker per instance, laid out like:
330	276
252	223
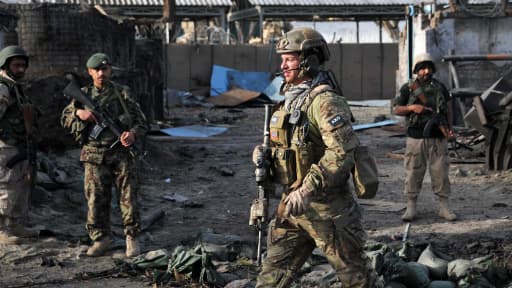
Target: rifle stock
104	120
259	207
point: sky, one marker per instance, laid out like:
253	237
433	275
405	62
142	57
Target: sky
347	31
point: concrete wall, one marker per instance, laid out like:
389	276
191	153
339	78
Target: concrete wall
463	36
365	71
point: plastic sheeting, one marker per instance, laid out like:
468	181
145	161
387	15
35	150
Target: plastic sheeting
199	131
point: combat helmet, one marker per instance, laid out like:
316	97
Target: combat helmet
12	51
309	43
422	58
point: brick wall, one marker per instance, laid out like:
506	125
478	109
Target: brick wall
59	38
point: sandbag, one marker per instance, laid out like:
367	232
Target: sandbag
442	284
437	266
411	274
393	284
461	268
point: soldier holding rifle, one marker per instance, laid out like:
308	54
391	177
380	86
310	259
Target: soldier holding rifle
421	100
108	132
311	156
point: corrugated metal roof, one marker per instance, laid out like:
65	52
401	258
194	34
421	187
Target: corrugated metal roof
352	2
206	3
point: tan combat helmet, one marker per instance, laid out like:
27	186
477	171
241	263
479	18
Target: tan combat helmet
422	58
310	44
12	51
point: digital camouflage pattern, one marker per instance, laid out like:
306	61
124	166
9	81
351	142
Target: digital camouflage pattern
14	184
332	222
105	166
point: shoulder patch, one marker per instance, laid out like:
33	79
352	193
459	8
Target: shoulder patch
336	120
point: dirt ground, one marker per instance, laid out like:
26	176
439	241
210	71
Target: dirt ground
213	184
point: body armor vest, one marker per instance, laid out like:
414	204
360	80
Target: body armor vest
111	102
12	125
435	99
294	150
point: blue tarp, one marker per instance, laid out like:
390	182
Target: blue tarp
219	81
200	131
272	90
224	79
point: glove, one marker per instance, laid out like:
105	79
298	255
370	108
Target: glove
297	202
258	155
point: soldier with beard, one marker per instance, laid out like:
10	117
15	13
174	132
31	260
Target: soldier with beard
17	154
311	155
419	100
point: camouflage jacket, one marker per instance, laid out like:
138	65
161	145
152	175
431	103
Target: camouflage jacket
114	99
12	125
326	129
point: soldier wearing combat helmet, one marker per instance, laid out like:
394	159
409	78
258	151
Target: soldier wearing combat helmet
422	100
17	154
311	155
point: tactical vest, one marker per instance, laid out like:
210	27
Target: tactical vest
293	151
12	125
435	100
112	103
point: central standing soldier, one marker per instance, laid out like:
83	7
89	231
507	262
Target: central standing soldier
312	145
106	164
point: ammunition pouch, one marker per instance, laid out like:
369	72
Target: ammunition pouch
96	131
283	165
92	155
278	132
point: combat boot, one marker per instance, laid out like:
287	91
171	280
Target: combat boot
132	246
99	248
444	211
410	213
7	238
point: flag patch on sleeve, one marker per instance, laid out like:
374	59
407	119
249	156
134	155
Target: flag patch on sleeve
337	120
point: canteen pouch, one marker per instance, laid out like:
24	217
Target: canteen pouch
365	173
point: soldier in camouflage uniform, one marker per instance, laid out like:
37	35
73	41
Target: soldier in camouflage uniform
312	144
105	162
16	159
419	101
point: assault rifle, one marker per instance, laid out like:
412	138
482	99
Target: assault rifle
28	115
259	207
437	121
29	153
104	120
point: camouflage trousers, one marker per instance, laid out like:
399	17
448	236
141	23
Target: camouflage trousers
14	185
118	168
423	153
335	230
